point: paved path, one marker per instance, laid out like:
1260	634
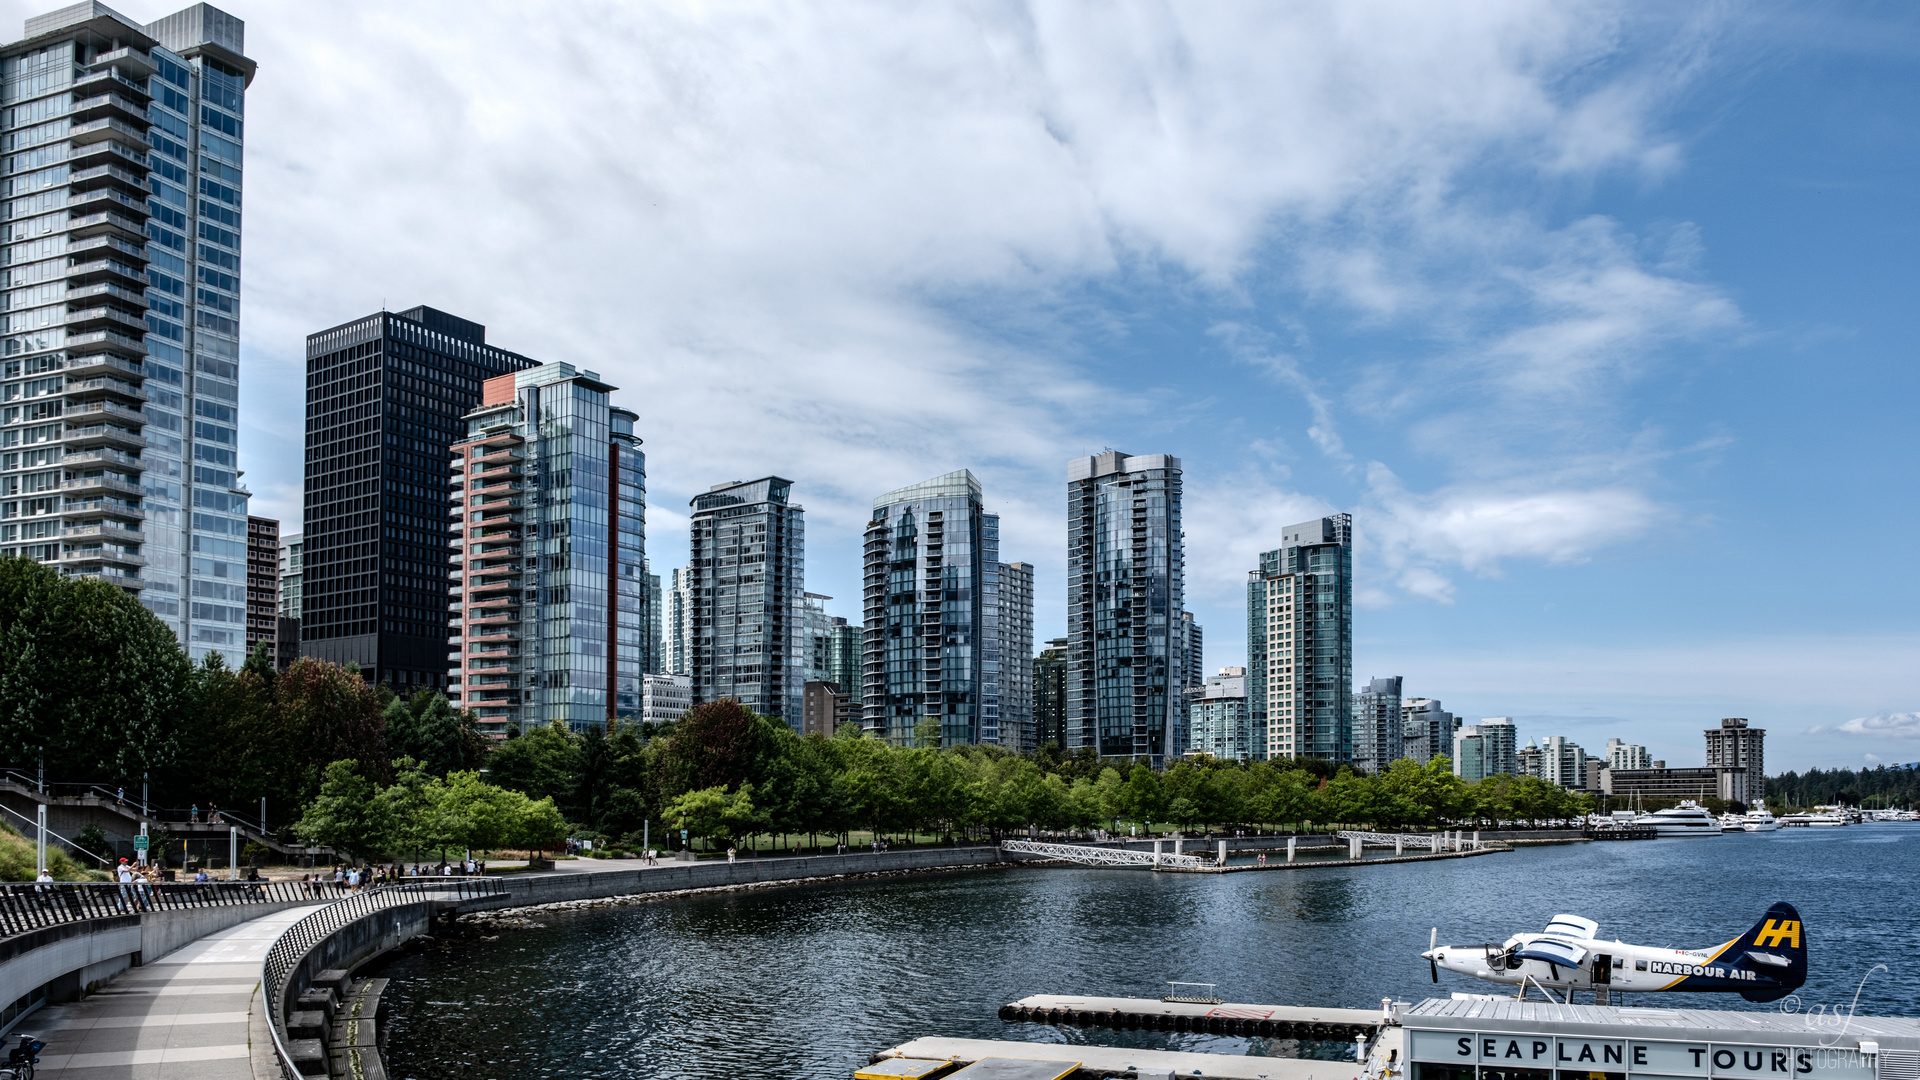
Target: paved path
182	1016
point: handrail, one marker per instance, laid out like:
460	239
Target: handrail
28	907
297	940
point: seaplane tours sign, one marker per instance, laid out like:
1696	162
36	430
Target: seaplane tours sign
1649	1058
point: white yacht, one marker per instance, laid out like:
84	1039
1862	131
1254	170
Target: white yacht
1732	822
1760	820
1820	820
1687	819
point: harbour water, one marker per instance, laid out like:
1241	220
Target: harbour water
807	981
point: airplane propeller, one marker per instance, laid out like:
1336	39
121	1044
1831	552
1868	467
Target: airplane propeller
1433	942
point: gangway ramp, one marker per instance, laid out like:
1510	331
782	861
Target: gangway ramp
1106	856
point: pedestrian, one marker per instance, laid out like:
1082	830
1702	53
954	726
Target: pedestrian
729	854
193	815
120	797
213	814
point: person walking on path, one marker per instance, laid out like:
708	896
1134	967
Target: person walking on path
120	797
193	815
729	855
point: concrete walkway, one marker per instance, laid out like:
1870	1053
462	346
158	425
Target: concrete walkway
181	1016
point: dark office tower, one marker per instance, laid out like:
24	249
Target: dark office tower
1126	676
385	399
1016	646
746	606
656	656
1050	694
1300	640
122	204
1378	730
263	586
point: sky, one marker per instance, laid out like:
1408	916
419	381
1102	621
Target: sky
1598	318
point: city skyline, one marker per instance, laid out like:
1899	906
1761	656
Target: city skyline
1509	472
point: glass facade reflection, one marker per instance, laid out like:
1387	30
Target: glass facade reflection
746	609
932	596
120	374
1126	565
549	493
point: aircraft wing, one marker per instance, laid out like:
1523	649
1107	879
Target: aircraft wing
1562	953
1573	926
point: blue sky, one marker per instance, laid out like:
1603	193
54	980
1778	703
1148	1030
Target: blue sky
1598	318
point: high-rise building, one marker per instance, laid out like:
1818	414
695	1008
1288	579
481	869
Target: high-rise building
664	698
121	325
1050	694
387	395
1016	645
1126	590
1218	716
1486	749
679	637
549	489
1561	762
650	619
746	589
1300	636
932	614
845	644
1379	734
818	663
263	586
1735	746
1426	729
1627	756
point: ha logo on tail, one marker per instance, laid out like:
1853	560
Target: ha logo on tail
1766	963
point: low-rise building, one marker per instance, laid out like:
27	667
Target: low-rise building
665	698
825	707
1673	784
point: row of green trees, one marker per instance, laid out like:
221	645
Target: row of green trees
1882	787
420	814
723	772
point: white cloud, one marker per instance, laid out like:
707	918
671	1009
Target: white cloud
1900	725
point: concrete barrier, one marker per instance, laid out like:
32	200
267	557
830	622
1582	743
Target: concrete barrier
525	890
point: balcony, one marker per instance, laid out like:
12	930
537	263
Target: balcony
106	174
126	581
109	152
111	341
104	410
106	127
84	390
103	530
110	105
102	81
107	223
103	435
100	555
130	61
110	271
97	486
107	198
105	290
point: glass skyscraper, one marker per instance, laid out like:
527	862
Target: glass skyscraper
549	493
1126	565
746	586
932	592
1016	649
386	397
120	373
1300	640
678	641
1378	731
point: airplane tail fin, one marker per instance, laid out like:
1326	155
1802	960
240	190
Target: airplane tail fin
1774	949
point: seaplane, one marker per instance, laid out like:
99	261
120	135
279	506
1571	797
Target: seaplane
1766	963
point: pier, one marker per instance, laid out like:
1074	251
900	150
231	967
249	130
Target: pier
1212	1018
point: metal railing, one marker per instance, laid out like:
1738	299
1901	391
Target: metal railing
1437	842
29	907
300	938
1102	856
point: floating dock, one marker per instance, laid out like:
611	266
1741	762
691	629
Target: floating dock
1469	1037
1146	1014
